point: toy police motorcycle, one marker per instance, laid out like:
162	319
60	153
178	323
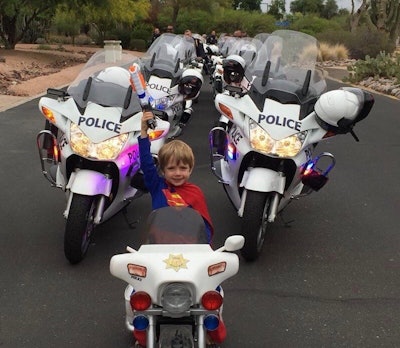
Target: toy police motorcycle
173	297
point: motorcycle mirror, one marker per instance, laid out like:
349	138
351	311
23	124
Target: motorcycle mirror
233	243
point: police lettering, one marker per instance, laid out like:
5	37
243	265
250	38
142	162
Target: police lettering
63	142
280	121
236	135
133	156
98	123
159	87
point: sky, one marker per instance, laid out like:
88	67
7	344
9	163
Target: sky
341	4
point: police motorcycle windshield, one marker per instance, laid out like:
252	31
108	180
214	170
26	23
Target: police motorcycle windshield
168	55
285	69
174	225
226	44
247	48
104	80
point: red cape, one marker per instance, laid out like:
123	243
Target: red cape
194	197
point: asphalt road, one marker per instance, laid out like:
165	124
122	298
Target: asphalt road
331	279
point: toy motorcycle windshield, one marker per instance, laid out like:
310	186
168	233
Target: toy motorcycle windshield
175	225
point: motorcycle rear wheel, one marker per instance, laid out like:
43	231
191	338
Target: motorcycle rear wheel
254	223
79	228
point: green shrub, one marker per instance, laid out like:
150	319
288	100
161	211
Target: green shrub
368	42
41	41
334	36
44	47
313	25
383	66
138	45
121	33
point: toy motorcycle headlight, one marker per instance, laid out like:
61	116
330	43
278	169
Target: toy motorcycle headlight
261	141
106	150
176	298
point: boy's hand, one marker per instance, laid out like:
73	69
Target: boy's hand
147	115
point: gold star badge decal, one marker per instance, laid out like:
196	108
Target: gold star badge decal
176	262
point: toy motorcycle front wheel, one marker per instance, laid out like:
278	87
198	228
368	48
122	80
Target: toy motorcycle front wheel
79	228
254	223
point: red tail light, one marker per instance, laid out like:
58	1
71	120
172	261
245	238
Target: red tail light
140	301
212	300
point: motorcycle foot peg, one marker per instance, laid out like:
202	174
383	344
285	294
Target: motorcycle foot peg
315	177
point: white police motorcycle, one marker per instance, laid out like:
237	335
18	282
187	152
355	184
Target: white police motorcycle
89	146
172	80
273	114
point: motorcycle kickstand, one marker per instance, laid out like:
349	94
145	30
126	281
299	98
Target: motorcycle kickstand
132	224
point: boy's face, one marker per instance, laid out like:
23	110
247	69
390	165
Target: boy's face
177	173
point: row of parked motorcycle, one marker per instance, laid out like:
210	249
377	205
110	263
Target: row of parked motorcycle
274	109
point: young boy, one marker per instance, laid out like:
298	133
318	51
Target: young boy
176	162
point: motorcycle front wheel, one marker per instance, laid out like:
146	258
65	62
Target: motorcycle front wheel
79	228
254	223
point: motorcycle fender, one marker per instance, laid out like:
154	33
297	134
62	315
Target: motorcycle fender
263	180
89	183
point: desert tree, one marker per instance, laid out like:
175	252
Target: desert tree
277	8
113	14
381	15
307	6
18	16
247	5
175	7
330	9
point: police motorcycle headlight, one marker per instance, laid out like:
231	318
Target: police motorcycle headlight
106	150
261	141
176	298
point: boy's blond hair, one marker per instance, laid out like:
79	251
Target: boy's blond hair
178	151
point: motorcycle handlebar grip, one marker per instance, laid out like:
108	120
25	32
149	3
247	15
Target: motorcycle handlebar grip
151	123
